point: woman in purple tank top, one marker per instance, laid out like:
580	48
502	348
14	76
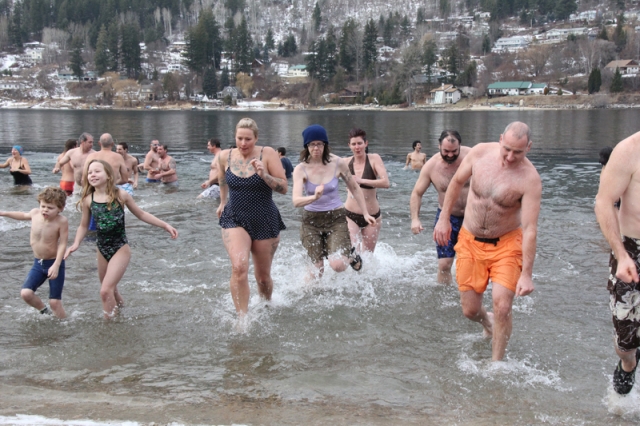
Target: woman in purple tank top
324	232
250	220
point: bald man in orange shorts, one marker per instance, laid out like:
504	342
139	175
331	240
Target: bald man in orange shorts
497	240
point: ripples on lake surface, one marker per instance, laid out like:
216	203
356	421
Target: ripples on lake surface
388	343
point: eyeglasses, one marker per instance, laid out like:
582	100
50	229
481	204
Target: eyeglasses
317	145
155	144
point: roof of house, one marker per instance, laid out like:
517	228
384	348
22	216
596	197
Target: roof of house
510	85
621	63
448	88
538	85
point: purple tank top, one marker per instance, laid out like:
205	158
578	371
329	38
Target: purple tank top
330	199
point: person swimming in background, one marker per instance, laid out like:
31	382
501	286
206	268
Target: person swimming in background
105	202
370	174
19	167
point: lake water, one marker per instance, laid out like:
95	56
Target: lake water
384	346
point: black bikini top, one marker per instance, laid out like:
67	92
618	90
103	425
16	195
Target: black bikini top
367	173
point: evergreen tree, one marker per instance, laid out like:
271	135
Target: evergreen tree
595	81
369	51
348	51
195	53
76	63
131	49
234	6
620	35
224	78
269	43
113	41
616	83
486	44
405	28
102	58
564	8
420	17
452	55
210	83
316	18
429	58
244	48
603	34
214	40
16	30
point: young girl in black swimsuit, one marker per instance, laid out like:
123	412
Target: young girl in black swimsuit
102	199
20	169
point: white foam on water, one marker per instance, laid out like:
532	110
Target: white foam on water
625	406
511	372
7	224
555	420
23	419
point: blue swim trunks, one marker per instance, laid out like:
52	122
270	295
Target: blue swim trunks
128	187
38	275
153	180
447	251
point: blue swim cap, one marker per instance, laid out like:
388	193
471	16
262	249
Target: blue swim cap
18	148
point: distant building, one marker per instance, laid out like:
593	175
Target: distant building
537	89
280	67
510	44
508	88
232	91
297	71
350	94
563	33
445	94
8	84
628	67
587	15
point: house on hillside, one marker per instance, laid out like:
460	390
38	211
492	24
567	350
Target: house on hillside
445	94
297	71
628	67
564	33
510	44
508	88
350	94
537	89
9	84
232	91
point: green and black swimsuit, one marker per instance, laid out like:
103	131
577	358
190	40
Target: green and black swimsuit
110	226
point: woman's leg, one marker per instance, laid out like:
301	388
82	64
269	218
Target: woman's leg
370	235
238	245
263	252
110	274
354	234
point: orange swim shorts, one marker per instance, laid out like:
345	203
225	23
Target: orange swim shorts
67	186
500	261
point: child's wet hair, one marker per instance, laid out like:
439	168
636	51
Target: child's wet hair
53	195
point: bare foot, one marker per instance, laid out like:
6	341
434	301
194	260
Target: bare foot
487	331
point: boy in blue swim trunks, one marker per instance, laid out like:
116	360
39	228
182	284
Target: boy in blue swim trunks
438	171
49	232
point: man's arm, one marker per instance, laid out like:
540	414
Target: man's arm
530	210
442	229
85	167
408	160
423	182
614	180
64	159
136	173
147	161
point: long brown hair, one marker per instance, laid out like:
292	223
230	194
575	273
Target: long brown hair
326	154
113	193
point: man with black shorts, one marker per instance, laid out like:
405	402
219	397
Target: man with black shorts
621	180
438	171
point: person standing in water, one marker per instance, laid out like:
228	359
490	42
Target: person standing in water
415	159
620	180
324	231
18	167
66	180
249	218
77	157
370	174
49	234
210	186
105	202
497	240
439	171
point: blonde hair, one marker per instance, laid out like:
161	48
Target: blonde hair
113	193
53	195
248	123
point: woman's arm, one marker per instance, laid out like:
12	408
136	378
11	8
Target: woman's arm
271	170
222	181
82	229
299	200
6	163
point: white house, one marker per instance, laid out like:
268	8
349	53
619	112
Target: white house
281	68
628	67
11	84
536	89
587	15
563	33
445	94
510	44
297	71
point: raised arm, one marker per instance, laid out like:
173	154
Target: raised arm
18	215
146	216
62	160
530	210
442	229
423	182
6	163
271	171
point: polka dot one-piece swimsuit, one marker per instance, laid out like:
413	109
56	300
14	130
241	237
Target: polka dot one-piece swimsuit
250	206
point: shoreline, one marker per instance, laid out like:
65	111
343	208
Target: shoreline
506	103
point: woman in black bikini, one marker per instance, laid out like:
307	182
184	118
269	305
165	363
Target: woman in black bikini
19	167
369	172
